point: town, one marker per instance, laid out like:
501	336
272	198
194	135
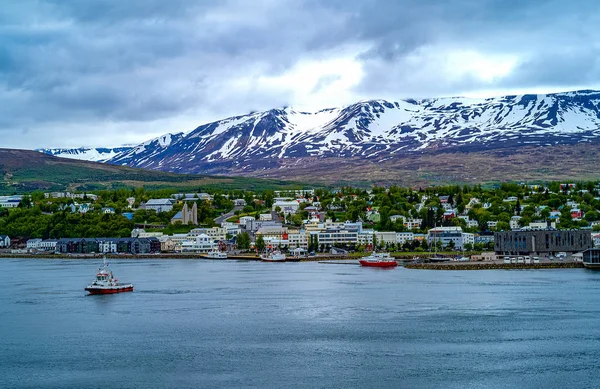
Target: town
460	220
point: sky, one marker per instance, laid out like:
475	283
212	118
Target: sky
112	72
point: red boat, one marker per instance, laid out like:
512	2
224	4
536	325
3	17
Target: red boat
378	260
106	283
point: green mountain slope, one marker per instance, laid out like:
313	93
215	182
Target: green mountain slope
26	170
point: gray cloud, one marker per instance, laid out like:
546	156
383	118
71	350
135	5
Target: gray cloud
136	68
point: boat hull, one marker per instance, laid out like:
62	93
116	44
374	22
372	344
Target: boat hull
592	266
110	290
379	264
273	260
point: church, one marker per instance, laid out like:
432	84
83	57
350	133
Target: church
186	215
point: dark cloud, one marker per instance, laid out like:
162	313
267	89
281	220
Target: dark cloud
131	67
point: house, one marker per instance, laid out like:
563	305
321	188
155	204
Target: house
555	214
34	244
510	199
444	199
239	202
4	241
265	217
449	215
108	210
576	213
167	244
48	245
107	245
514	222
413	224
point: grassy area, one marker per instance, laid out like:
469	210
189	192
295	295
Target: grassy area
26	171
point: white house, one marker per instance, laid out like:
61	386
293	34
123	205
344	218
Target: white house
34	244
48	245
4	241
514	222
265	217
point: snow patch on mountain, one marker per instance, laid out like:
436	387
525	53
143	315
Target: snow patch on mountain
376	129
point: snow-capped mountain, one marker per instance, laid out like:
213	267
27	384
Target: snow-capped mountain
374	130
99	154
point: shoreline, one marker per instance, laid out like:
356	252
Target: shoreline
493	266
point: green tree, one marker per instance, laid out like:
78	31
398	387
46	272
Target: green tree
243	241
260	243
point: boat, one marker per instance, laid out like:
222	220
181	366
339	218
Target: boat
106	283
273	256
378	260
216	254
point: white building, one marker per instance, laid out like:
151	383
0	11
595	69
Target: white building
265	217
215	233
231	228
514	222
4	241
159	205
10	201
385	237
287	207
200	244
107	245
448	234
48	245
403	237
34	244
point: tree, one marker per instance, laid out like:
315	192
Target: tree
260	243
243	241
468	246
451	244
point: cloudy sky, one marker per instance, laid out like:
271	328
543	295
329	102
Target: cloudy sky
111	72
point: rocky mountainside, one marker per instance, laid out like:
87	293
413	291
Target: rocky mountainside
373	131
98	154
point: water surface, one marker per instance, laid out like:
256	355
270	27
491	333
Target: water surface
198	323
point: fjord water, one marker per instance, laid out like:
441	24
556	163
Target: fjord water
197	323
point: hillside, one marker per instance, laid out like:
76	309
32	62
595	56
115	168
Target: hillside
25	170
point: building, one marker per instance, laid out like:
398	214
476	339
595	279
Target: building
450	234
215	233
514	222
159	205
541	242
186	215
384	237
403	237
287	207
10	201
337	236
34	244
199	244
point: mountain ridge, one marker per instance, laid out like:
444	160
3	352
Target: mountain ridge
285	139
